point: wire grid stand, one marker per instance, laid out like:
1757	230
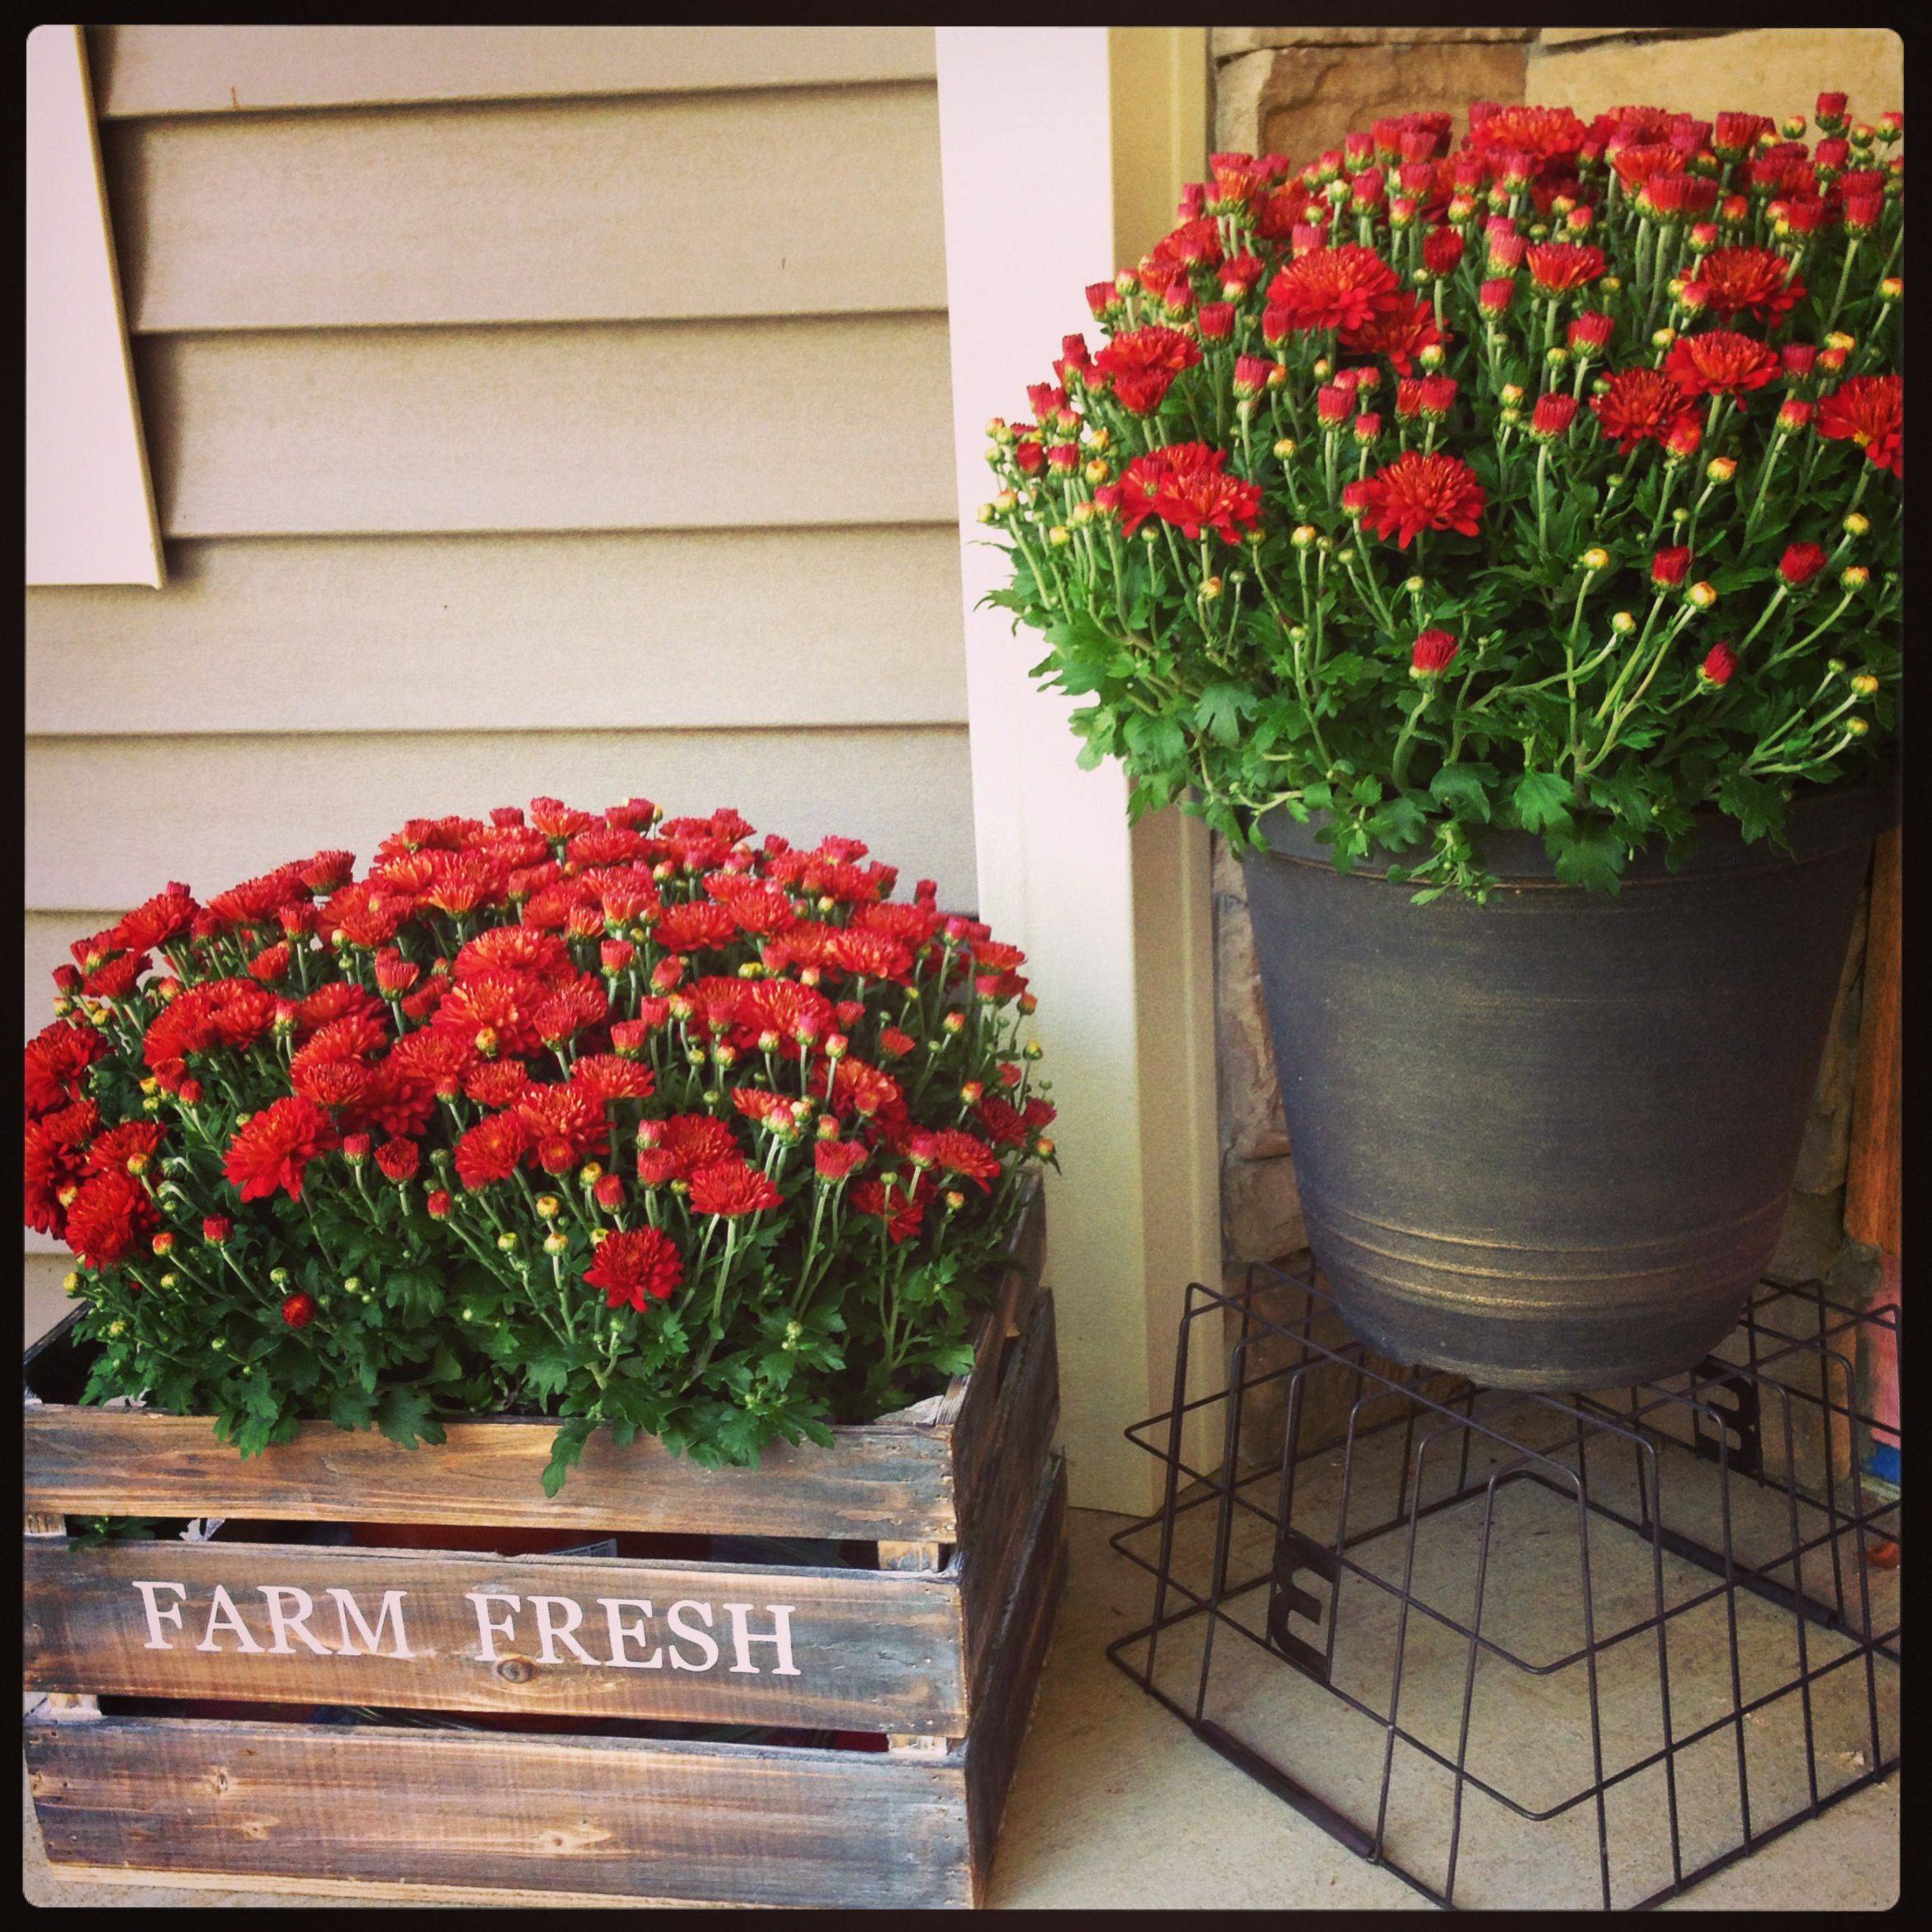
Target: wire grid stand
1519	1649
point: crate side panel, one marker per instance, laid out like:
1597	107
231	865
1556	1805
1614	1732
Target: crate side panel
996	1535
1005	1706
584	1636
615	1818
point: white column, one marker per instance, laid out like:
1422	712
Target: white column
1113	920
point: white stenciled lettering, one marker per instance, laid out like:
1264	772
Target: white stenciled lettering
350	1610
282	1624
222	1615
488	1628
550	1634
622	1633
681	1626
780	1638
156	1612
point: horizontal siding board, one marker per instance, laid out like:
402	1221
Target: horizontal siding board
798	203
154	69
613	1815
111	820
667	425
864	1649
659	629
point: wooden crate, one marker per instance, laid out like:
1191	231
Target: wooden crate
921	1649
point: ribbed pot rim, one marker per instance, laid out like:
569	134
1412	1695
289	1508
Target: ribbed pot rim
1818	824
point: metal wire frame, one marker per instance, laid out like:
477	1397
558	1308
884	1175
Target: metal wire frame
1724	1404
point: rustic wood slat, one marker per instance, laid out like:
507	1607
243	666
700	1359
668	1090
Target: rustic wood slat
1873	1191
866	1649
996	1537
720	1823
1003	1700
884	1481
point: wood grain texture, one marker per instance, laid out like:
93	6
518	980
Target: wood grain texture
716	1823
1874	1178
872	1650
998	1530
616	426
573	211
883	1480
788	628
1011	1678
109	819
233	69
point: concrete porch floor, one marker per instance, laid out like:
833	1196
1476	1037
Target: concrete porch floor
1115	1804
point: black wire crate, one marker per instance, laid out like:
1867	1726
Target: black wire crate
1568	1651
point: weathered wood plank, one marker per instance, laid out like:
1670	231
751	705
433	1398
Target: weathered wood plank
585	1637
881	1481
999	1521
1004	1704
877	1480
713	1823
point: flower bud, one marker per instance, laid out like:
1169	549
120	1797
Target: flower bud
1431	654
1720	662
1801	563
1857	727
1596	559
1720	469
1700	596
1865	684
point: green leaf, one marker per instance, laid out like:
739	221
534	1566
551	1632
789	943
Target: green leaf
351	1409
408	1417
547	1369
1155	741
1465	789
1542	800
1219	710
566	1450
1593	858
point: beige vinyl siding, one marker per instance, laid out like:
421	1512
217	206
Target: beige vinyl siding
728	204
850	625
155	70
531	410
624	426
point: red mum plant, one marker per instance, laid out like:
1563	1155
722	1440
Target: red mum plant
587	1110
1366	482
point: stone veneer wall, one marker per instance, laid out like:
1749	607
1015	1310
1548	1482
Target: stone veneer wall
1297	90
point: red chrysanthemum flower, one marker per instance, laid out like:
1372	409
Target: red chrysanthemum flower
731	1189
1720	362
1801	563
57	1059
1557	267
1334	288
563	1125
1746	281
1416	493
1184	484
1401	331
636	1267
683	929
1641	405
270	1151
833	1160
1548	135
110	1218
1868	410
490	1151
857	1088
1141	366
960	1152
689	1142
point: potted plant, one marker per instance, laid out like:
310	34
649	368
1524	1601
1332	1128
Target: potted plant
1498	545
607	1117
